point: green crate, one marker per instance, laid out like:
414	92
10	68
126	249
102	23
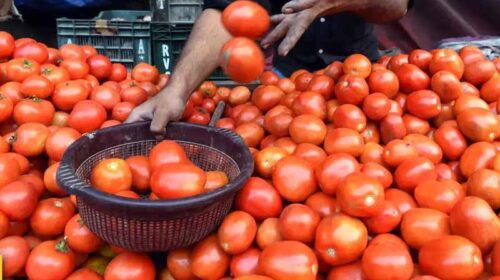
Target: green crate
123	36
167	43
176	11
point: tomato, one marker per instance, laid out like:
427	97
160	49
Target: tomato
111	176
387	260
352	271
144	72
310	102
34	110
412	78
19	69
50	216
385	82
344	140
68	94
307	129
30	139
477	156
294	178
446	59
311	153
166	152
69	51
378	172
471	54
479	72
35	51
439	195
298	222
466	102
351	89
80	238
332	243
226	123
209	105
49	179
495	259
118	72
334	70
332	171
267	97
6	44
386	220
445	172
179	264
37	86
278	125
15	251
55	75
322	204
87	116
424	104
50	260
130	266
396	151
245	263
99	66
478	124
135	94
6	108
77	68
472	213
413	171
122	110
360	195
358	65
468	89
302	81
442	259
237	232
84	274
322	84
106	96
485	184
177	180
259	198
246	19
249	113
276	260
420	58
208	260
392	127
422	225
141	172
252	133
59	141
451	141
426	147
268	233
239	95
376	106
397	61
269	78
242	60
266	159
349	116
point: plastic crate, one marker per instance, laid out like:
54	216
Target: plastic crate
167	43
176	11
121	35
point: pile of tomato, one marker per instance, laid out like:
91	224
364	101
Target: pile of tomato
386	170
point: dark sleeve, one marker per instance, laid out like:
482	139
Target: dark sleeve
221	4
411	3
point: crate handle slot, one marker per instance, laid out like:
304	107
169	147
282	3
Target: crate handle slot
101	26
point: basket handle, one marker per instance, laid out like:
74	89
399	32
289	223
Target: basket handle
216	116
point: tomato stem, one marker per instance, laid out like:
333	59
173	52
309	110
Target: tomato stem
62	245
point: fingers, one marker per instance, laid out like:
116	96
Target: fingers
295	6
276	34
160	119
141	113
275	19
297	28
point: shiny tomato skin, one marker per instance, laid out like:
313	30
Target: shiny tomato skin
351	89
166	152
246	263
485	184
246	19
84	274
14	251
106	96
208	260
50	216
298	222
420	58
30	139
311	153
397	61
387	219
376	106
333	170
352	271
322	84
412	78
267	97
422	225
111	175
87	116
177	180
294	179
472	213
477	156
451	141
403	201
310	102
344	140
34	110
7	45
141	172
50	260
266	160
334	245
130	266
349	116
392	127
387	260
479	124
440	258
100	66
440	195
447	59
19	69
360	195
179	264
385	82
59	141
259	198
288	260
413	171
358	65
237	232
323	204
79	236
242	60
37	86
307	129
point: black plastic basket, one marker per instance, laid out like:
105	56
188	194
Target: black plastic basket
161	225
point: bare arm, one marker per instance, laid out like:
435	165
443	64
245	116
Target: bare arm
199	58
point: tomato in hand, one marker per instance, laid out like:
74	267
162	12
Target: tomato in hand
246	19
340	239
242	60
277	259
177	180
50	260
111	175
130	266
237	232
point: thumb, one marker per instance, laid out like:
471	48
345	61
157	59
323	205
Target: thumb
159	122
297	6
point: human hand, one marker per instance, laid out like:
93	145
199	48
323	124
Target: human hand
166	106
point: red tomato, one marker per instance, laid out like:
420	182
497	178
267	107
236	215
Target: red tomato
68	94
412	78
50	260
12	90
177	180
276	260
77	68
378	259
246	19
51	215
37	86
30	139
420	58
55	75
360	196
133	266
6	44
376	106
485	184
442	259
440	195
118	72
49	179
84	274
88	50
59	141
252	133
298	222
490	90
111	175
69	51
179	264
245	263
344	140
87	116
267	97
307	129
259	198
34	110
199	116
237	232
403	201
14	251
311	153
144	72
479	124
208	260
99	66
479	72
106	96
322	84
386	220
310	102
397	61
80	238
122	110
358	65
451	141
242	60
302	81
477	156
134	94
332	171
351	89
19	69
384	81
422	225
294	179
392	127
446	59
266	159
378	172
334	246
352	271
36	51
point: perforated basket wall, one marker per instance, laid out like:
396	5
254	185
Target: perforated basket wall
145	225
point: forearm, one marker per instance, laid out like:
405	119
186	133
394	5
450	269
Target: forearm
376	11
200	55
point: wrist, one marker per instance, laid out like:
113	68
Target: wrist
176	88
